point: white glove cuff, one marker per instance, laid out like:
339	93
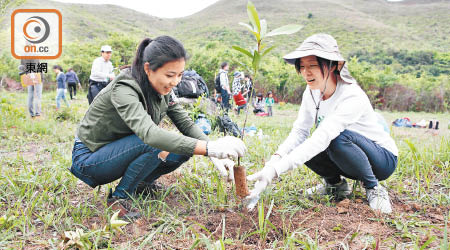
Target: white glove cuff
283	165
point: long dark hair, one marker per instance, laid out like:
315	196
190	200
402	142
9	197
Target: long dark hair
157	52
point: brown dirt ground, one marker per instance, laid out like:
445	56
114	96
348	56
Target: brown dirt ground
327	225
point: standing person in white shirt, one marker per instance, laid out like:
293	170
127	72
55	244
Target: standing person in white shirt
101	73
348	141
225	91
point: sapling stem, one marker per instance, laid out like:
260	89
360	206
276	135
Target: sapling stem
240	176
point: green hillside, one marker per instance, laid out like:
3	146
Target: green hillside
399	47
356	24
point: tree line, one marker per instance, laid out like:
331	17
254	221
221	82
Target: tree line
393	79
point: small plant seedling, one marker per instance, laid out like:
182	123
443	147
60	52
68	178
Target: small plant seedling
259	30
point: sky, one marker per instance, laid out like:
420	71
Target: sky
159	8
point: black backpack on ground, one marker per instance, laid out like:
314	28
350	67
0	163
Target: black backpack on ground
191	85
228	126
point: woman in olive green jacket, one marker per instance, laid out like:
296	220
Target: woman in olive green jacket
119	136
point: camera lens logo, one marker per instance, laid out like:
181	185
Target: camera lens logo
36	29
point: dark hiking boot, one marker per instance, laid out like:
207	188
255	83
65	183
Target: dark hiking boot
339	190
146	189
125	206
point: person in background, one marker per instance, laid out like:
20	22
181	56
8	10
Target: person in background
249	87
72	81
34	89
119	136
258	104
237	87
61	86
225	86
269	103
101	73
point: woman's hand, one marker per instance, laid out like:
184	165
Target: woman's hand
222	166
226	147
263	178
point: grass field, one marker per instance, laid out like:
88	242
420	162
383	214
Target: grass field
41	202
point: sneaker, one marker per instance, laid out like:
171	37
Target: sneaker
379	199
339	190
125	207
145	188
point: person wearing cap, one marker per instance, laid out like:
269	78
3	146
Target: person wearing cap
236	87
101	73
347	140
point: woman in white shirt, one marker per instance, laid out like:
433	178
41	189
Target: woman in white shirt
348	140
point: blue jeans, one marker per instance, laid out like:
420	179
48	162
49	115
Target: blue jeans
356	157
60	94
225	99
241	107
128	158
34	99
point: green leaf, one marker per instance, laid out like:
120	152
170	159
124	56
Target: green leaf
248	26
253	17
243	51
116	223
256	60
285	30
263	28
267	51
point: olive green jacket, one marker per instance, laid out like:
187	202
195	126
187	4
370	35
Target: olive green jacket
120	110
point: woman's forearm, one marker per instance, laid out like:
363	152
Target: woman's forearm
200	148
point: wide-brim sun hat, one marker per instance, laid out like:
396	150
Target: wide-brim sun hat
324	46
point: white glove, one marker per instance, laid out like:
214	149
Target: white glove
226	147
274	158
263	178
222	166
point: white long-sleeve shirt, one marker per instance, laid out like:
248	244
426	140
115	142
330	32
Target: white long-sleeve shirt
101	70
348	108
224	84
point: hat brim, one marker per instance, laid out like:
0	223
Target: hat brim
294	55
